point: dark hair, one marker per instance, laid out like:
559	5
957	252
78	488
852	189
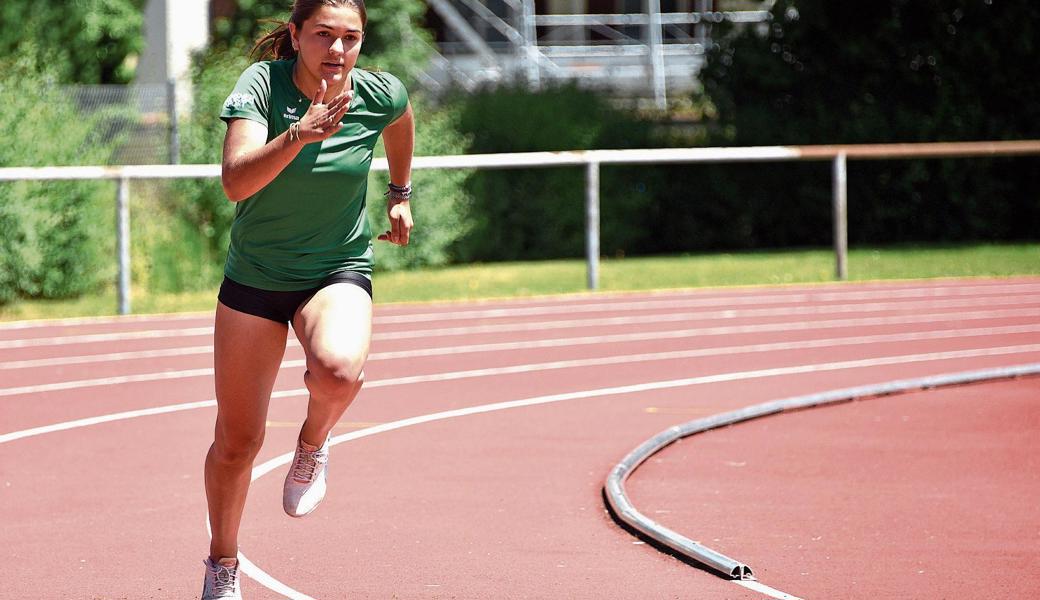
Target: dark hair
278	43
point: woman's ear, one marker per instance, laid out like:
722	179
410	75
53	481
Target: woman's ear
292	36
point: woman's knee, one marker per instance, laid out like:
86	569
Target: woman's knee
237	447
335	375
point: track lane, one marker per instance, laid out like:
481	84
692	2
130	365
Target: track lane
383	404
31	407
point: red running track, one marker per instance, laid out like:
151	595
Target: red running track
501	500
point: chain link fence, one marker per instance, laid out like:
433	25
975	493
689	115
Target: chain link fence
139	120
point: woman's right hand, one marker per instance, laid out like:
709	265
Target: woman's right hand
321	120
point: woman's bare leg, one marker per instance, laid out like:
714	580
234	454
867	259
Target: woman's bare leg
335	329
247	353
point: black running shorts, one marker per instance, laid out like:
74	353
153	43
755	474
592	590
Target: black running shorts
280	306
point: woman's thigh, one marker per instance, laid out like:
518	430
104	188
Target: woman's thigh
247	352
334	327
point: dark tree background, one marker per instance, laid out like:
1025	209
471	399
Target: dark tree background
889	71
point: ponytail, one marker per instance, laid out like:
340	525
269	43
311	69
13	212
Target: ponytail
276	45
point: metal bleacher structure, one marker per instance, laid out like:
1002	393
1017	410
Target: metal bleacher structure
644	49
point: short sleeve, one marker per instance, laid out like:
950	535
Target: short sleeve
398	96
251	97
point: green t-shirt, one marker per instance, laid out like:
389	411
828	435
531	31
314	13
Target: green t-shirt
309	222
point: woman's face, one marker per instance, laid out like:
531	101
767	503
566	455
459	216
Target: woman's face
329	43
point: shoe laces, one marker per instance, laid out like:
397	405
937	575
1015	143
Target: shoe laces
305	467
224	578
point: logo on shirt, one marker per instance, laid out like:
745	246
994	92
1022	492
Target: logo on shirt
237	101
290	114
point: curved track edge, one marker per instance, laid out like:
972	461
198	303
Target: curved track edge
619	503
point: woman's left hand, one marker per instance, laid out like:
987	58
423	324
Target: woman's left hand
400	214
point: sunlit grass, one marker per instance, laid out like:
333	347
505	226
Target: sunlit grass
498	280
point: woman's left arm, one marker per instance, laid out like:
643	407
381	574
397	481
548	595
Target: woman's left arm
399	141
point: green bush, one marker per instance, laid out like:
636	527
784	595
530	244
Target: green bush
539	213
55	237
199	209
441	206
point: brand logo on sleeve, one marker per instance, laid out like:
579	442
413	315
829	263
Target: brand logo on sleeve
237	101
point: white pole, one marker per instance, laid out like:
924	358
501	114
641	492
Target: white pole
655	42
530	33
123	243
592	223
841	225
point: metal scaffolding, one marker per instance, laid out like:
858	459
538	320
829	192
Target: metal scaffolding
645	54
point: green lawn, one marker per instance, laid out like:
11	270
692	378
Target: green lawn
568	276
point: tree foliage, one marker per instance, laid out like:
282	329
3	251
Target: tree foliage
54	236
86	41
898	70
893	71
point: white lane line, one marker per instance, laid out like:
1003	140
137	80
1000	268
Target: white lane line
104	381
766	590
84	359
613	360
266	580
917	306
119	416
284	459
805	297
851	364
559	364
710	331
568	303
554	342
108	320
801	311
91	338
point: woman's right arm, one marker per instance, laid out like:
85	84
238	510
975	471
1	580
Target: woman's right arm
250	162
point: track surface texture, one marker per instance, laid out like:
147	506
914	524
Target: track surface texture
472	464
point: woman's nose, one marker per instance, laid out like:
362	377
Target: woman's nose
337	46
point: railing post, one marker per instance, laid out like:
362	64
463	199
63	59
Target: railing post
841	217
123	243
592	223
171	111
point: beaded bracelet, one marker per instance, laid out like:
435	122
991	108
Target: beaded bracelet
398	192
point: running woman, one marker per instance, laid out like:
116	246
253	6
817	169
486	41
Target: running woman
301	129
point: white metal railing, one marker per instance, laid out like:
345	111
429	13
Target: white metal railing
839	155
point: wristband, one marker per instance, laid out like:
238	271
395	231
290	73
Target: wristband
398	192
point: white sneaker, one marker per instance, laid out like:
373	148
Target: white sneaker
305	483
222	580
